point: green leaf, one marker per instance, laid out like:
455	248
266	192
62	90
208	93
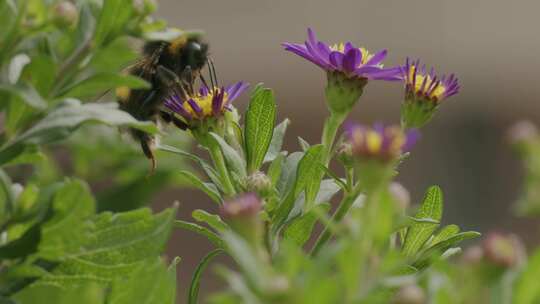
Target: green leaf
196	280
274	170
101	82
299	231
233	159
151	283
7	197
260	120
303	144
72	204
110	246
114	57
277	141
62	121
309	174
444	234
114	16
210	172
210	235
209	189
26	93
527	286
419	233
287	178
442	246
212	220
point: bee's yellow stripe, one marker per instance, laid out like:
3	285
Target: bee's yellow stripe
123	93
177	44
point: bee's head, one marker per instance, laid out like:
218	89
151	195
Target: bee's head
194	54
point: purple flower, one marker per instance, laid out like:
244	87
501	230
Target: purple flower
344	58
205	103
427	86
385	143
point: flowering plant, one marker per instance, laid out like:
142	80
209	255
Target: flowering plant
68	241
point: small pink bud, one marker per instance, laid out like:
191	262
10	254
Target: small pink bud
504	250
410	294
522	131
400	194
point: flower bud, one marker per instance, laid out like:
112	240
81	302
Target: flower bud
144	7
65	14
423	94
410	294
522	132
473	255
260	183
505	250
400	195
242	215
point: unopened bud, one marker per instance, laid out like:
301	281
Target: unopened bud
65	14
400	195
242	215
410	294
144	7
473	255
504	250
522	131
260	183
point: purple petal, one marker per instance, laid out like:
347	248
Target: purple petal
195	106
412	136
351	60
377	58
234	91
336	59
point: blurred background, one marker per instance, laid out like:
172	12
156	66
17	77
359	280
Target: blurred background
491	45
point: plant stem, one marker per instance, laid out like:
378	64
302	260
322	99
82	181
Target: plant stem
343	208
219	162
331	126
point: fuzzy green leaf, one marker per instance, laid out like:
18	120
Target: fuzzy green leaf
260	120
309	174
207	233
212	220
194	181
419	233
233	159
96	84
277	141
527	286
151	283
196	280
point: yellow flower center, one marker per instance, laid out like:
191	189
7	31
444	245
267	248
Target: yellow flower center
340	47
373	140
436	93
205	103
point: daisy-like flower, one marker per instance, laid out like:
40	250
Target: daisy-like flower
205	104
427	86
345	58
423	93
348	68
381	143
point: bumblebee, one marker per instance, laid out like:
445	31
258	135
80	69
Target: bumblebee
171	67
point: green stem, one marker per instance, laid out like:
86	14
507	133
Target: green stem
331	126
219	162
343	208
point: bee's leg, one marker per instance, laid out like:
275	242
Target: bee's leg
146	143
171	80
188	79
168	118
